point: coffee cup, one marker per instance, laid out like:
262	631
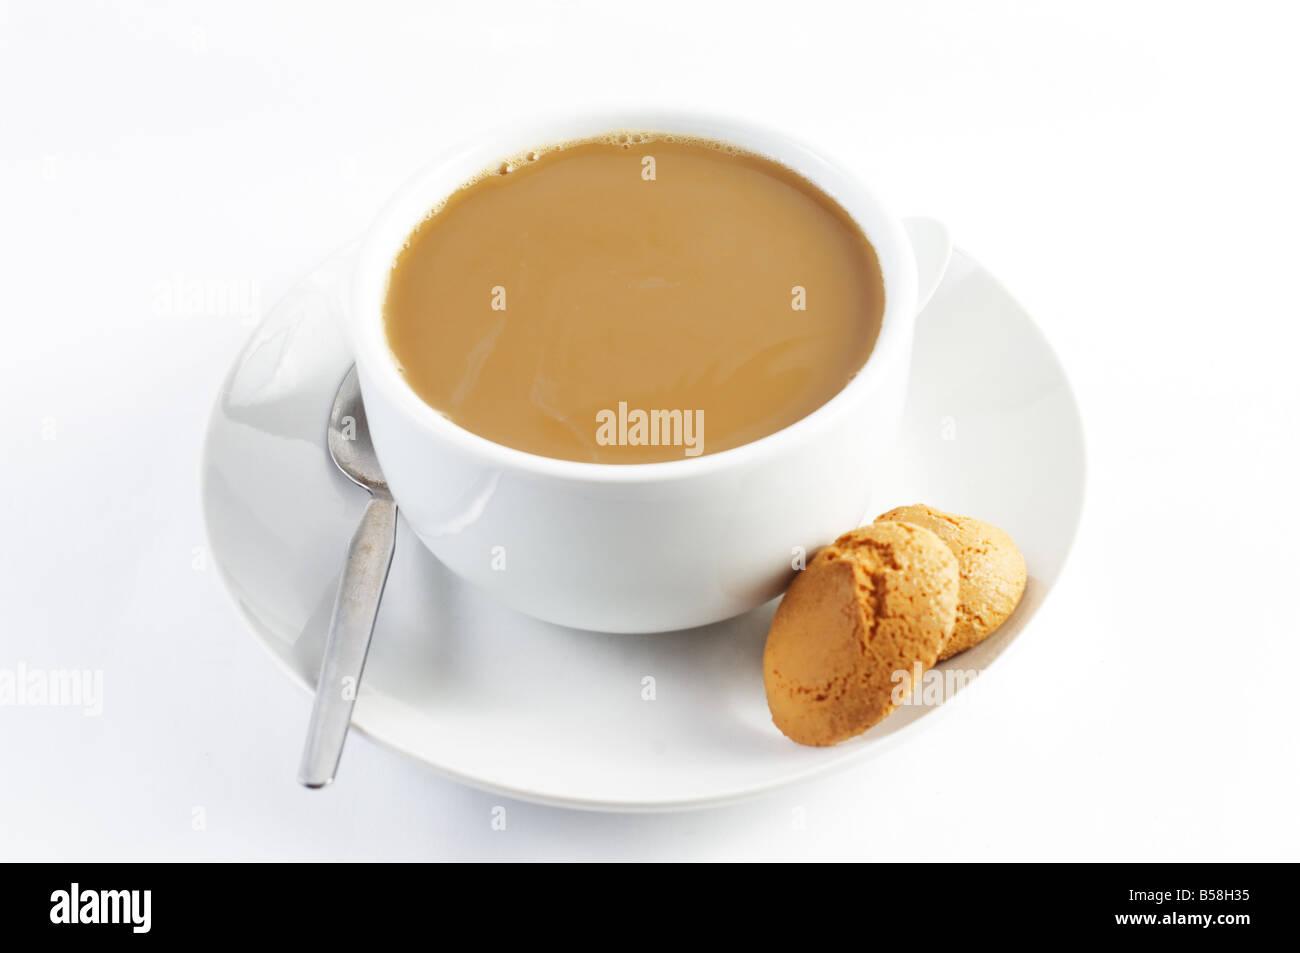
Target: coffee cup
639	547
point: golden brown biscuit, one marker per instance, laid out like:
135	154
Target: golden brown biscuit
876	602
992	571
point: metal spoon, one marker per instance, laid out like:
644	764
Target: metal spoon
360	589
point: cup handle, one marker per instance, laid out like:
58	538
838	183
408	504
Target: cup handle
932	246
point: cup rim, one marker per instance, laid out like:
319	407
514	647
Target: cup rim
412	203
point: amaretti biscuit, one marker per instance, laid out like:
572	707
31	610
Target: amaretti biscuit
992	571
867	609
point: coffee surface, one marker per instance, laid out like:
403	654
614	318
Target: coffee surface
633	299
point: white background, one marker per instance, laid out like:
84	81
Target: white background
1128	169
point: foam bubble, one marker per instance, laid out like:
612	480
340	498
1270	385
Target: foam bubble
624	138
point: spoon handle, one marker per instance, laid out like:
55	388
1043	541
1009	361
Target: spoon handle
355	607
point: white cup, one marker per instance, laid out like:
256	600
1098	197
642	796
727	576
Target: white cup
641	547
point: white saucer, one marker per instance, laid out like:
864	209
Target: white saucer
534	711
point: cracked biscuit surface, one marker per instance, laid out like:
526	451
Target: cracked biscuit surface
876	602
992	571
